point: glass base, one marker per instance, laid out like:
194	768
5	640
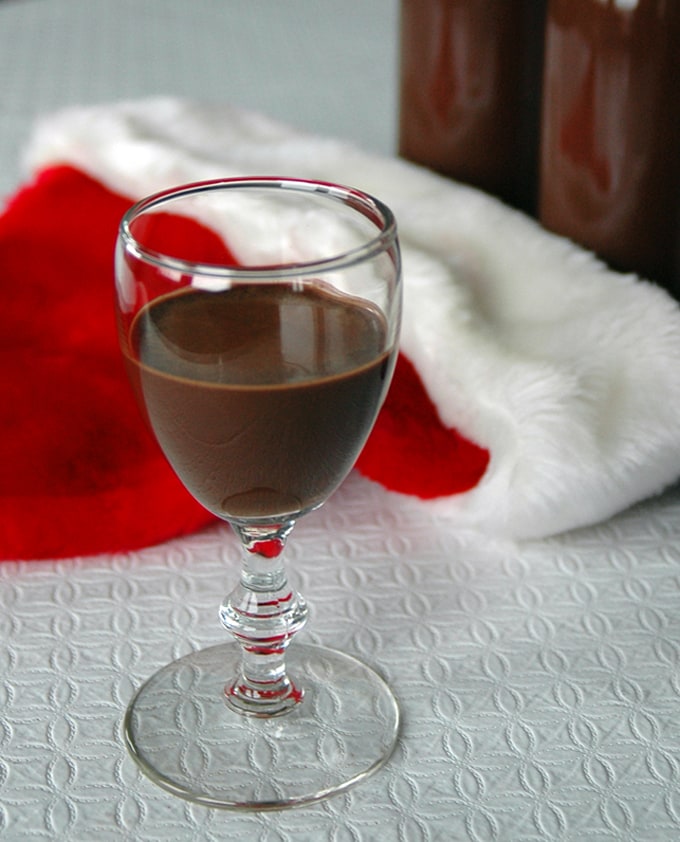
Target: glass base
181	731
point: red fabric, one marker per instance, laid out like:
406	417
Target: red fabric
411	451
79	473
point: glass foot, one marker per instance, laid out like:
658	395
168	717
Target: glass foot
185	737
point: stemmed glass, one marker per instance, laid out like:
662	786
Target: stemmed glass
259	321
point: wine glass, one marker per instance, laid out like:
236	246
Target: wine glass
259	321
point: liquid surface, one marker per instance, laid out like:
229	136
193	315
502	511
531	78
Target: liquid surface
260	396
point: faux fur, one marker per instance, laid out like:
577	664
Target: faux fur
522	345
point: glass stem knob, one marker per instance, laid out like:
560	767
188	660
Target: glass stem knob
263	613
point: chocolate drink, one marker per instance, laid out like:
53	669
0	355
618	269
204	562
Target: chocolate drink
261	396
610	160
470	91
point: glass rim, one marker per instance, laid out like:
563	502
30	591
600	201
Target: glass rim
368	205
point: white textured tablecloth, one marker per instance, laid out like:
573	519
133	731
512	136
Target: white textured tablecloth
540	684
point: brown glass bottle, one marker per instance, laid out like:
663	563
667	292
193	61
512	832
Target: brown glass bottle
610	137
470	81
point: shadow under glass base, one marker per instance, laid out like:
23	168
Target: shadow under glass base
184	736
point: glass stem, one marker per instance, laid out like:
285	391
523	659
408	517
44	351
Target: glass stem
263	613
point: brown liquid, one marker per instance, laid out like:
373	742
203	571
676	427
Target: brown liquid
470	91
610	156
261	396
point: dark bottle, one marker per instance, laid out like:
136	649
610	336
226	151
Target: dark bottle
610	137
470	91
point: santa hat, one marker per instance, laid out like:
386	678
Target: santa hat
536	390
